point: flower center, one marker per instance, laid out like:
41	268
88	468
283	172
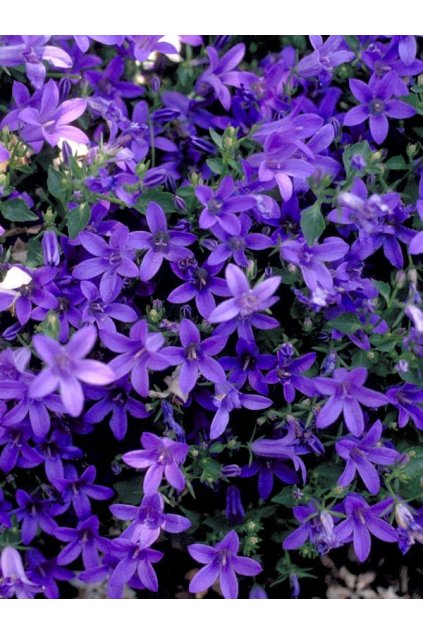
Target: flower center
377	106
248	304
161	241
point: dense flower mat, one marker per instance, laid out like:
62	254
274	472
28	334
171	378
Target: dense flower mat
211	330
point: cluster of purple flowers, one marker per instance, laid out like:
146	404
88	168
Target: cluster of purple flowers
222	258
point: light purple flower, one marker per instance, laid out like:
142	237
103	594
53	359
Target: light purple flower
221	562
67	368
161	457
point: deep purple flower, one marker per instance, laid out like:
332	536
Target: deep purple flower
244	309
346	391
221	562
220	206
116	400
50	122
83	540
221	72
78	489
34	513
44	573
112	261
288	374
161	457
66	367
363	520
202	285
161	243
234	509
195	357
138	353
267	468
144	45
102	313
361	455
408	399
147	520
234	243
134	560
248	364
50	246
21	288
377	104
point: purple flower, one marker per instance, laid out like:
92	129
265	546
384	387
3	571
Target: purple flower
288	374
234	243
147	520
346	391
248	364
44	573
102	313
221	72
228	398
194	358
221	562
50	246
13	578
202	285
361	455
363	520
114	399
234	509
138	353
327	55
377	104
21	288
78	489
410	526
134	560
316	526
407	398
32	52
267	468
35	513
83	540
281	448
50	122
243	310
66	368
161	457
161	243
221	205
311	259
112	261
144	45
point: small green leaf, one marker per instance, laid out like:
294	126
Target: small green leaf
77	219
16	210
312	223
57	185
216	138
346	323
215	165
383	288
164	199
396	163
34	254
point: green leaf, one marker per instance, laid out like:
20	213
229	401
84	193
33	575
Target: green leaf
34	254
164	199
77	219
216	138
58	186
346	323
215	165
312	223
16	210
396	163
383	288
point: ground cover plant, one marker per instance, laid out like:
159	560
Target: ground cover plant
211	333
